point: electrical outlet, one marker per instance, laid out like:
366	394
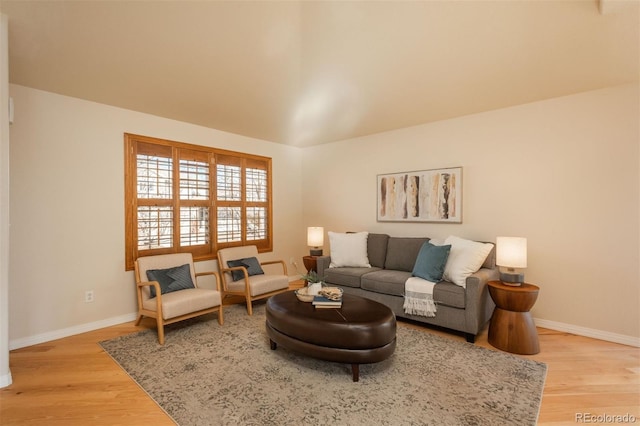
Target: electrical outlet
88	296
293	263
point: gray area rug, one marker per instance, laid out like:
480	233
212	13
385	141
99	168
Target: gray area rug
207	374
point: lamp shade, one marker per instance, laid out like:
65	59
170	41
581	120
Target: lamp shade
511	252
315	236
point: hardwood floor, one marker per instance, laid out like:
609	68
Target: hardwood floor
71	381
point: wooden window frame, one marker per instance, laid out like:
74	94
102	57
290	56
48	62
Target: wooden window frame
133	144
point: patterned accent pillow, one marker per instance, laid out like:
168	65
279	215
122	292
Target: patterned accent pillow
171	279
251	263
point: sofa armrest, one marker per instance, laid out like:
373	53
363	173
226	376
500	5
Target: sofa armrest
322	264
479	305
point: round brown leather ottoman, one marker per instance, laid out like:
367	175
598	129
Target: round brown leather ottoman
362	331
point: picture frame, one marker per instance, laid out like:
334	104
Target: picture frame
420	196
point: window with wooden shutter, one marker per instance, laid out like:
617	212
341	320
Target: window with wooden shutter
187	198
243	201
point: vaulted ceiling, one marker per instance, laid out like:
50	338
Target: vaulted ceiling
309	72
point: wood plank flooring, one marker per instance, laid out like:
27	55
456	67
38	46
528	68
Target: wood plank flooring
71	381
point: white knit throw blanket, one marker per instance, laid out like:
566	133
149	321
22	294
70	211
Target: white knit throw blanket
418	297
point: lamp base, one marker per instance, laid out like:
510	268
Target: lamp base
514	280
316	252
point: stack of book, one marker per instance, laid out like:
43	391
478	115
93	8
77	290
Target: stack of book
328	298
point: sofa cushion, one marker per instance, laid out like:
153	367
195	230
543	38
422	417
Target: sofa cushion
431	261
377	249
465	258
446	293
261	284
392	283
385	281
348	277
348	249
402	253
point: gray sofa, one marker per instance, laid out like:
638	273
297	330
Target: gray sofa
392	259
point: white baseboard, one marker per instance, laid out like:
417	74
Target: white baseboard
66	332
588	332
5	380
83	328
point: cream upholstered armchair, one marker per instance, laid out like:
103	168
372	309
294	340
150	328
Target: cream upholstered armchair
167	290
242	275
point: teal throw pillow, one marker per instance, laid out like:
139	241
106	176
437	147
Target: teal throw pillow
251	263
171	279
431	261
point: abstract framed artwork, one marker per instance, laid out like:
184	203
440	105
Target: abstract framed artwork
421	196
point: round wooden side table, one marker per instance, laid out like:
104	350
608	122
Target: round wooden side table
311	263
511	328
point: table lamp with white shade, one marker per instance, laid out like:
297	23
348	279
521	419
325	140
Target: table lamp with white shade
511	253
315	239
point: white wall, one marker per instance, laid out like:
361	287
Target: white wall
5	373
67	209
564	173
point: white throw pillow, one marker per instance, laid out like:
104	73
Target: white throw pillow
465	258
349	249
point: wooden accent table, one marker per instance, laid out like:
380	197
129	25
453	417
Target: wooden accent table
311	263
511	328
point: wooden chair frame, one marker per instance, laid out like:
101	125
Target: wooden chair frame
246	293
157	314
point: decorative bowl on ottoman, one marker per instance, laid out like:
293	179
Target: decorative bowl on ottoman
303	295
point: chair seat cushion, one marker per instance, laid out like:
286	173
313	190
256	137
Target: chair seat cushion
261	284
185	302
